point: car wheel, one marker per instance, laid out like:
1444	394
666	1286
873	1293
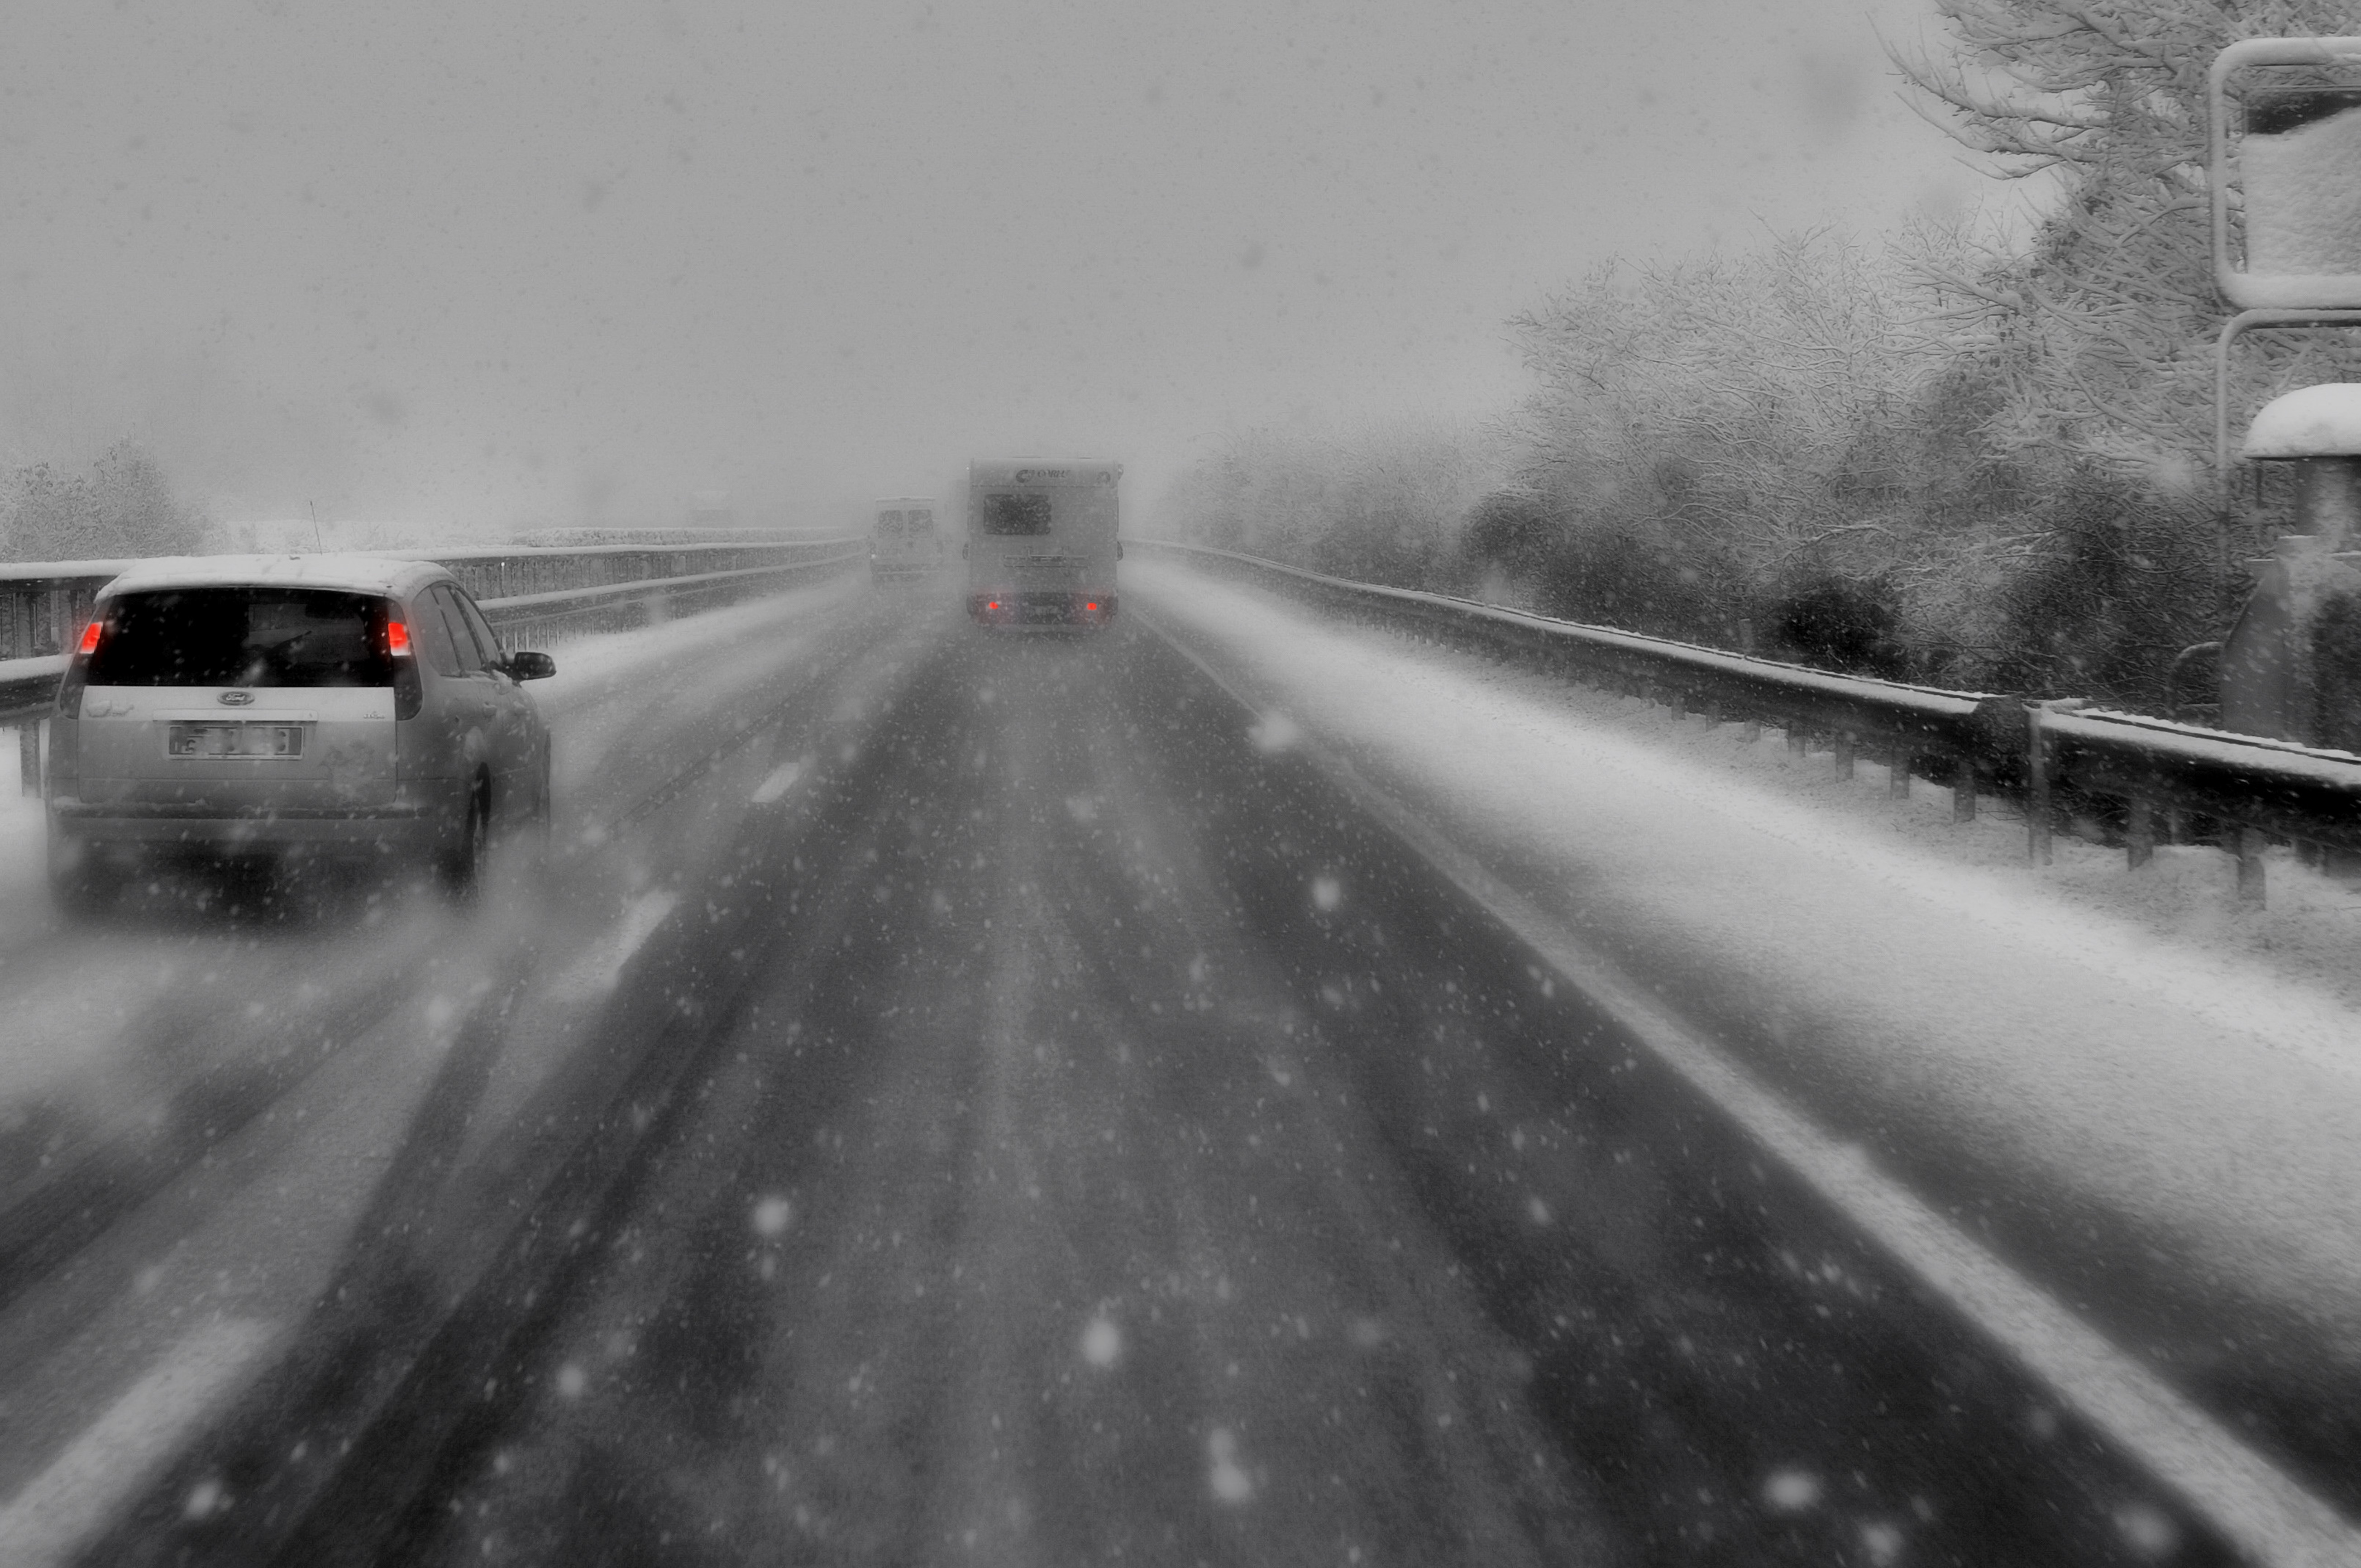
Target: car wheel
463	863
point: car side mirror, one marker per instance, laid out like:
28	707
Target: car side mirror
531	666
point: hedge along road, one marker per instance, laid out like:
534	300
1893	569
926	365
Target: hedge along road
1065	1124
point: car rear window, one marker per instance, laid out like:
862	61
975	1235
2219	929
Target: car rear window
1015	514
243	637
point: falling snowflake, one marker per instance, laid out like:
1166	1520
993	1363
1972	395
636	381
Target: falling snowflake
1276	732
1791	1491
2148	1530
1102	1342
1231	1484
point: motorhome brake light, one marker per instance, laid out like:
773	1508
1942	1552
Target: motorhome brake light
89	639
397	638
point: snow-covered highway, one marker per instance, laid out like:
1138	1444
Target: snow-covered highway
1233	1088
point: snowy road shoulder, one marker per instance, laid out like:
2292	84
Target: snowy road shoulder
2096	1056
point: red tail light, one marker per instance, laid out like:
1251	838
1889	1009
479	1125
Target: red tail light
409	686
89	639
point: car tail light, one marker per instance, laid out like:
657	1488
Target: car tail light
77	674
408	689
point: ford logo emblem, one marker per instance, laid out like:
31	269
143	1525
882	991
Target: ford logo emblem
236	699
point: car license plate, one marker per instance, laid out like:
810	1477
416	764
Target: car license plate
253	740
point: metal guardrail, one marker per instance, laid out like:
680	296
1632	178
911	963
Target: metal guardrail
43	605
615	606
2166	774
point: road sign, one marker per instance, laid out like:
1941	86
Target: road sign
2286	143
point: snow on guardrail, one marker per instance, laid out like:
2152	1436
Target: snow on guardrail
2171	779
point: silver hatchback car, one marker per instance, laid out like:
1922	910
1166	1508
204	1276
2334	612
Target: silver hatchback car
333	705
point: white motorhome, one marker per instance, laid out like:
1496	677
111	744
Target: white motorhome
905	541
1041	546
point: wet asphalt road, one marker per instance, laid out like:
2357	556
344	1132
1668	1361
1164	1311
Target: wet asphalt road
1056	1127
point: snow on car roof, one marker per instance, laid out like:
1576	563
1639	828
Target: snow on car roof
362	573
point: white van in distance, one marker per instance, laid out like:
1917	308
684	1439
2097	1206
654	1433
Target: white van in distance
905	543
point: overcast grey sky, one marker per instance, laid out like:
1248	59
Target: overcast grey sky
495	264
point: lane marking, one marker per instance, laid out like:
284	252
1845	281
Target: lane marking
783	778
596	972
87	1485
2258	1508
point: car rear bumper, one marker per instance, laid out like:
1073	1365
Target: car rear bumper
1040	608
363	829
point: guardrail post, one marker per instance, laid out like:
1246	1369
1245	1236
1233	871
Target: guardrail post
1844	747
1798	743
1753	731
2036	787
2038	771
1963	789
2139	833
28	756
1898	771
2247	845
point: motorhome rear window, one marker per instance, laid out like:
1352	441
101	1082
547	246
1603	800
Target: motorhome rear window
1015	514
243	637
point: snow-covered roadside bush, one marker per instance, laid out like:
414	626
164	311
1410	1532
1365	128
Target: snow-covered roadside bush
1712	437
121	505
1977	456
1382	503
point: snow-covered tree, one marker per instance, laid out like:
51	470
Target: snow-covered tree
1734	397
2102	331
2095	342
1381	501
121	505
